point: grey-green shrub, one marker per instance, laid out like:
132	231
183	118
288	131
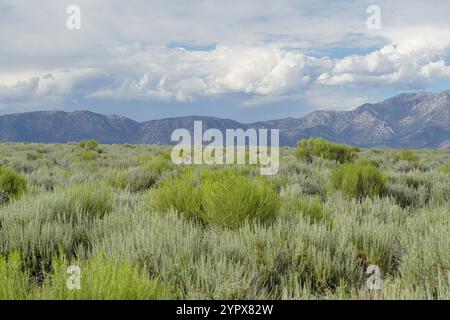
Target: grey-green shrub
38	226
159	164
356	180
4	197
445	170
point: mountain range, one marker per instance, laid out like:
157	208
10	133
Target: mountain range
410	120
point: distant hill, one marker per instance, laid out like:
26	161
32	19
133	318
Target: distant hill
416	120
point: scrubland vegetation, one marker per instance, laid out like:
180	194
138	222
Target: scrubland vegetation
140	227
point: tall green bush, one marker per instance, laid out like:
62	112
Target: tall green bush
407	155
102	278
230	199
311	208
318	147
356	180
178	193
223	197
14	281
90	144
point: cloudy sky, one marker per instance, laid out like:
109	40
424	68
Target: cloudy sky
248	60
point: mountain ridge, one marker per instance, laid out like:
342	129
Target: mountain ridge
410	120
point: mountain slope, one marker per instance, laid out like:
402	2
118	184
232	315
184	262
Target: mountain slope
59	127
420	120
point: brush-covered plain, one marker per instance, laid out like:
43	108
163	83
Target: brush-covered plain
140	227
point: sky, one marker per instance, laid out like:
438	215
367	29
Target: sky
248	60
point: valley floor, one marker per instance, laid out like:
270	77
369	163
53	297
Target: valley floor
134	226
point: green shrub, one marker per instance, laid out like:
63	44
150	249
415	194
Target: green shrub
178	193
90	144
445	170
103	279
230	199
87	155
222	197
406	196
14	281
119	179
318	147
407	155
368	162
11	182
407	160
356	180
100	279
134	179
300	255
159	164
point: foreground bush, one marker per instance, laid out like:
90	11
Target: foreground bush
100	279
103	279
359	181
406	196
4	197
222	198
134	179
318	147
12	184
